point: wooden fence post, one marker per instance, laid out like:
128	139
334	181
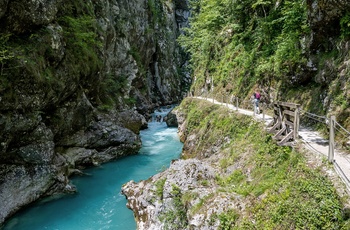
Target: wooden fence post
331	139
254	106
263	110
296	122
236	103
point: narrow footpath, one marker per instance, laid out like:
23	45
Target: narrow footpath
311	139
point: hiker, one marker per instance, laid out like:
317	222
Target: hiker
256	101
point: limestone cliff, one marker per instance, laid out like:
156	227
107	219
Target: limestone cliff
77	81
327	50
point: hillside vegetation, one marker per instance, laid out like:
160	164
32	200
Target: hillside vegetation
275	185
293	50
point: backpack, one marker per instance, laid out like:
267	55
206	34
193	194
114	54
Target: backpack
257	95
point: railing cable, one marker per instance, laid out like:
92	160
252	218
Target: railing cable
321	119
346	131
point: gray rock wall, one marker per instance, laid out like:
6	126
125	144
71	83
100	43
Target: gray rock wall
324	20
324	17
77	78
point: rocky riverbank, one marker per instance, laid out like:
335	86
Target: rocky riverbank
158	202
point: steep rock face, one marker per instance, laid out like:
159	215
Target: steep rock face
143	58
324	20
324	17
75	78
328	54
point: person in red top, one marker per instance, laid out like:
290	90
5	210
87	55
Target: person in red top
256	101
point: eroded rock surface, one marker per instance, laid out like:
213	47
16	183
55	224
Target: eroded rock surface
154	201
77	80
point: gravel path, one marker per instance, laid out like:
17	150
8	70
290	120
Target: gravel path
312	141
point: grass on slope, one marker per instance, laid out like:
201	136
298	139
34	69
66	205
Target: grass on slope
280	190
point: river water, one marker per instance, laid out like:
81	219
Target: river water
99	203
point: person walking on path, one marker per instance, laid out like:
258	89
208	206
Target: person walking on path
256	101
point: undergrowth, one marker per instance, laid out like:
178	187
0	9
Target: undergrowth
278	188
176	217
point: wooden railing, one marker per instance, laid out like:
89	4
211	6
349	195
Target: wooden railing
286	119
285	123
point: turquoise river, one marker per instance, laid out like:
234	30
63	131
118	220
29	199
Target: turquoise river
99	203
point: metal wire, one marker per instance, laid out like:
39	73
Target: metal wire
315	117
346	131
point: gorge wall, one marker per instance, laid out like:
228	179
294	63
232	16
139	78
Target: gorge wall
78	79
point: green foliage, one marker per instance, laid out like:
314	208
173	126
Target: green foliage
24	61
75	8
32	60
179	207
135	53
5	52
6	55
245	42
345	26
228	219
80	33
306	200
130	101
82	43
276	184
112	88
160	187
156	9
202	202
204	182
236	177
175	218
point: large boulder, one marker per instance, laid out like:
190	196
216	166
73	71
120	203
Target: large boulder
171	119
